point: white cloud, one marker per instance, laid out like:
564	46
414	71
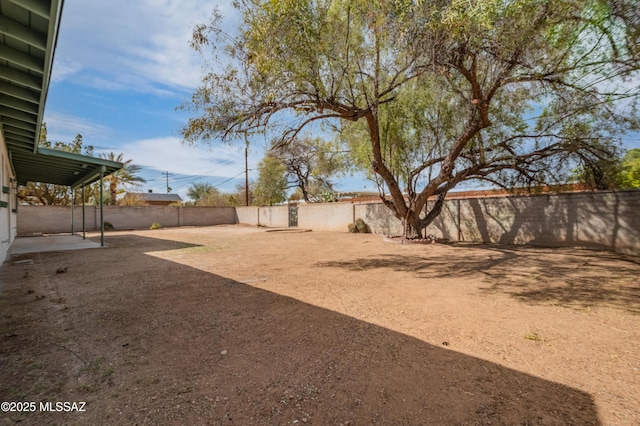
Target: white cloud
138	45
64	127
221	165
170	154
63	68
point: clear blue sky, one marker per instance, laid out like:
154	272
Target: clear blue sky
121	69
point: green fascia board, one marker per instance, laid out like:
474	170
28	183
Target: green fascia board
53	15
95	166
60	167
95	161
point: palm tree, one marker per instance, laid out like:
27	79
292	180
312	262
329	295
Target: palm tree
125	176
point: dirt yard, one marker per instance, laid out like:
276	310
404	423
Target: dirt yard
236	325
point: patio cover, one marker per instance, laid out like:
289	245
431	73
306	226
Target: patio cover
28	38
60	167
29	33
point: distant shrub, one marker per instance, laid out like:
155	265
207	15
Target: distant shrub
155	225
108	226
363	228
359	227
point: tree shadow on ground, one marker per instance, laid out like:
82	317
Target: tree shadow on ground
573	277
147	340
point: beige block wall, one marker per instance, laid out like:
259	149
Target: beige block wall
274	217
247	215
140	217
205	216
50	219
326	217
379	218
608	220
57	219
447	224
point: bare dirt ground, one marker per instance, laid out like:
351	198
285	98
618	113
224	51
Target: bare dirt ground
236	325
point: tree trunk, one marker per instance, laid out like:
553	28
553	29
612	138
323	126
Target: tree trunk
113	188
305	193
413	226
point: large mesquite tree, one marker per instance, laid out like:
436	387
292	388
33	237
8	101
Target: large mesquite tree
429	94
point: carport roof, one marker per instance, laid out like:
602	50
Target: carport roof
28	37
60	167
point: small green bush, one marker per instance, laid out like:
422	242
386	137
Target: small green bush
108	226
363	228
155	225
359	227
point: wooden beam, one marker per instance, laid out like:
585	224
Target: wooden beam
39	7
22	59
18	115
16	30
19	104
16	131
8	121
21	78
19	92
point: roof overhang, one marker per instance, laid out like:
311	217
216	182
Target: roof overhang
61	167
29	30
28	37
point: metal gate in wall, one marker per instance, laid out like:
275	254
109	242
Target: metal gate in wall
293	215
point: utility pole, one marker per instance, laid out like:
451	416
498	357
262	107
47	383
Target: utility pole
246	170
246	175
167	175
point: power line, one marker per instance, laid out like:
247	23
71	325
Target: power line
214	183
232	177
167	176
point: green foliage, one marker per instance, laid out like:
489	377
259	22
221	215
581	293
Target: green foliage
132	199
611	173
429	95
155	225
271	187
359	227
310	164
205	194
200	191
630	173
416	130
362	227
239	198
118	181
599	173
50	194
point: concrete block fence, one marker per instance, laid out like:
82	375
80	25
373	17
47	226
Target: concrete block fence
57	219
607	219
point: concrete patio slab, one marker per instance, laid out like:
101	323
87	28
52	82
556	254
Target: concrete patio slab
43	243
